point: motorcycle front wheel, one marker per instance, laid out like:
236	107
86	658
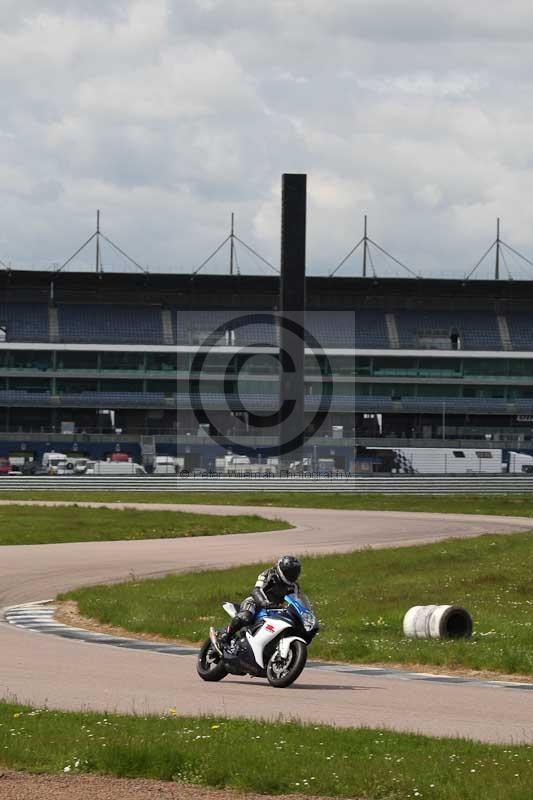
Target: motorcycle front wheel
210	666
281	672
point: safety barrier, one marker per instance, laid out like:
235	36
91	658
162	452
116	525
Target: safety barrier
437	622
393	484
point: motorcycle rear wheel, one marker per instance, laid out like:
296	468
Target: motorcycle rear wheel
209	665
283	672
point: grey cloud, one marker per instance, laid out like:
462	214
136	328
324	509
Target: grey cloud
168	116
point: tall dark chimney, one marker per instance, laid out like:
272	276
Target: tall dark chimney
292	308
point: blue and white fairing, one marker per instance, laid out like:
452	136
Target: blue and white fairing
300	603
293	622
298	619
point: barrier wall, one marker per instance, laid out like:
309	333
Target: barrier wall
407	484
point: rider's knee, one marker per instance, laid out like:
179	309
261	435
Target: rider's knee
246	617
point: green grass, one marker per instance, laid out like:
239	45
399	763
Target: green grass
511	504
360	599
41	525
264	757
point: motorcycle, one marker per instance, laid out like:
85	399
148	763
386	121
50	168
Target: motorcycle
274	646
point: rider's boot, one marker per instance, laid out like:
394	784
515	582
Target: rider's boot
218	639
221	640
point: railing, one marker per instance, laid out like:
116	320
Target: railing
265	401
412	376
193	436
464	484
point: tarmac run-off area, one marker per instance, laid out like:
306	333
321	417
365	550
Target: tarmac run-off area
68	674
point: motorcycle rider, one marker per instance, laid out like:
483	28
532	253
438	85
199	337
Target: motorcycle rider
270	588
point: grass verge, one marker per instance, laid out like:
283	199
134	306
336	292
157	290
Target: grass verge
502	504
264	757
361	598
41	525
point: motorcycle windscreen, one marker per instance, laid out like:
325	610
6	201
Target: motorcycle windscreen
300	602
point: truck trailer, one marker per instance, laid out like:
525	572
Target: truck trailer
453	461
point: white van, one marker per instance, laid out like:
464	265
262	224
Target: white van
74	466
168	465
116	468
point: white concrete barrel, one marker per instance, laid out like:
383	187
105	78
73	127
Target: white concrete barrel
437	622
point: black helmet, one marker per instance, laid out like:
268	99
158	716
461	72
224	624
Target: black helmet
288	568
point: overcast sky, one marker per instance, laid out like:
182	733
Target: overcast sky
170	115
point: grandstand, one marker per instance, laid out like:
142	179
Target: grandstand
107	359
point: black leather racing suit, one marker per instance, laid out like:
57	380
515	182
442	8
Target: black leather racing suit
269	590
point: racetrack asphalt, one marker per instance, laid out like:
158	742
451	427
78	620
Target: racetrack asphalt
61	673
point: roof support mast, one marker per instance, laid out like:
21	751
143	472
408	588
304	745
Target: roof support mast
232	244
500	247
365	247
366	241
99	235
498	243
232	238
98	270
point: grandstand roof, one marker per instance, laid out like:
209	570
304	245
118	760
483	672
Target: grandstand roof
255	291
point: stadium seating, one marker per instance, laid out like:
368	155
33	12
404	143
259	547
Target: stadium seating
18	398
74	345
24	322
521	330
121	324
195	326
330	328
110	323
350	329
477	330
371	329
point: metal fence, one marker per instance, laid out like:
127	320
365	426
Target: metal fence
393	484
